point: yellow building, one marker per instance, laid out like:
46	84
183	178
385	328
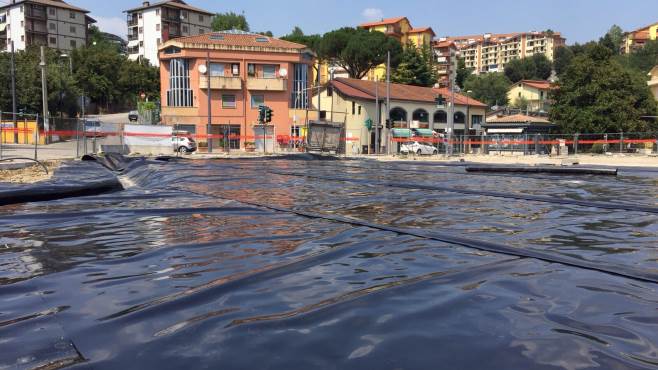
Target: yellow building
635	40
399	28
653	82
534	93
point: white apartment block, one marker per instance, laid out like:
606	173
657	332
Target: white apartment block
491	52
154	23
51	23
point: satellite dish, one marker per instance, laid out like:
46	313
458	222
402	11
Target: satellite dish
283	72
202	69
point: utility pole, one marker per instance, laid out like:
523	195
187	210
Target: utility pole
451	118
388	102
44	94
209	128
13	91
377	115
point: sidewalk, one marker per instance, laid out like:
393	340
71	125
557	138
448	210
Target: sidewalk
62	150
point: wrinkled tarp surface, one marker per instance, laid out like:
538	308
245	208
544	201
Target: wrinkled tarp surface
277	264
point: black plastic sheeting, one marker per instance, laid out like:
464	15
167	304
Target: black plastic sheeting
70	180
276	264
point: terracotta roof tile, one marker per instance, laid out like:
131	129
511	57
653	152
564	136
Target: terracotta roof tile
421	30
517	118
233	39
537	84
366	90
383	22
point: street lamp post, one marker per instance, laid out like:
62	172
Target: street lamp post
467	126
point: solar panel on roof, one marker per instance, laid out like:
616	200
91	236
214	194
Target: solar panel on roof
216	37
262	39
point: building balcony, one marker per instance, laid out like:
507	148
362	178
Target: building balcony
132	22
36	14
133	37
221	83
133	50
267	84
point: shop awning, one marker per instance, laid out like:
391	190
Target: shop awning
504	131
424	132
401	132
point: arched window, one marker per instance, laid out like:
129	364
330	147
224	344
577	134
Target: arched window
460	117
440	116
421	115
398	115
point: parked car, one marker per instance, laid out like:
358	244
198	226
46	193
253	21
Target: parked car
94	129
133	116
183	142
418	148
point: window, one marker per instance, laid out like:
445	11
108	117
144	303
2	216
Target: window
184	14
157	27
141	43
235	69
185	29
359	109
158	41
22	37
72	29
257	101
53	40
141	30
73	44
440	116
180	92
330	91
21	8
251	70
72	15
52	26
420	115
299	98
157	11
228	101
216	69
22	24
139	15
476	120
353	108
200	18
201	31
541	95
269	71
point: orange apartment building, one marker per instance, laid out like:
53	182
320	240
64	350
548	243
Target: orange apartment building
245	70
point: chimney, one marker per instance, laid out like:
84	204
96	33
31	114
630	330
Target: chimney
146	3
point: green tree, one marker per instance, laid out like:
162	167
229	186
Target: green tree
358	50
537	67
462	72
136	77
562	58
520	103
597	94
230	21
489	88
415	67
613	39
641	60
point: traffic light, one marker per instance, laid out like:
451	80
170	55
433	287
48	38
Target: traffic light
268	115
368	124
389	123
261	113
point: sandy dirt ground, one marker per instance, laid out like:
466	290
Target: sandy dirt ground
615	160
29	174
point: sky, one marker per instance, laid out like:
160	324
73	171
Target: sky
578	20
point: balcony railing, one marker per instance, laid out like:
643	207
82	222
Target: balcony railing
133	50
35	13
132	22
267	84
221	83
133	37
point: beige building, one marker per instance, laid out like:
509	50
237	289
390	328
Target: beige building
52	23
352	102
491	52
445	53
155	23
533	93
